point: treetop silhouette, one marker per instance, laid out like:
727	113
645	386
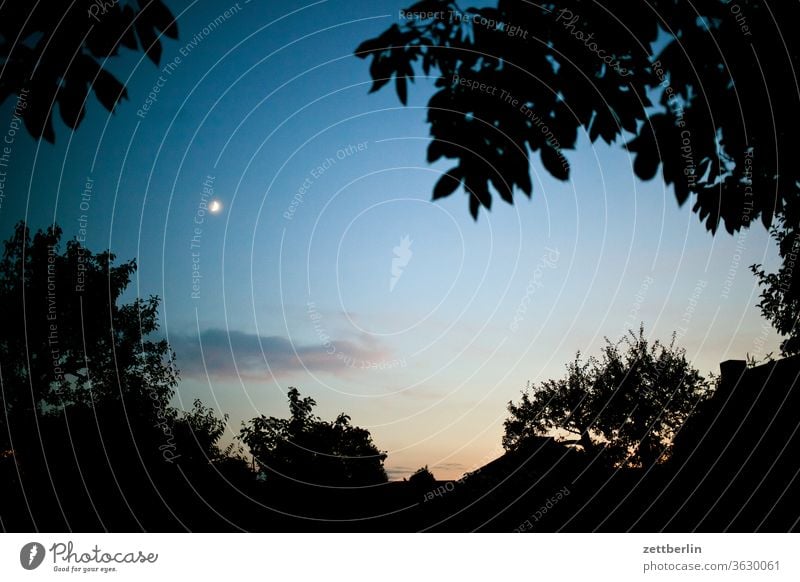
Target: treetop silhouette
628	404
307	449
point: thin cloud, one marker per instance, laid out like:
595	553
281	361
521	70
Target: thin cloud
397	472
449	466
221	353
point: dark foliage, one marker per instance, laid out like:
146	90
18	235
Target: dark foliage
64	339
719	127
88	437
90	441
57	52
308	450
780	293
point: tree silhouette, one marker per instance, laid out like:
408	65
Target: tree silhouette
780	294
57	52
64	339
87	431
307	449
525	77
629	403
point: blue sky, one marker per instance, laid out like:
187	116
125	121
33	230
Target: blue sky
296	286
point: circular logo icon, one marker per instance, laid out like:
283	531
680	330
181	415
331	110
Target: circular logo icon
31	555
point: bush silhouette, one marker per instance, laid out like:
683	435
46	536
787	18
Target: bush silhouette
306	449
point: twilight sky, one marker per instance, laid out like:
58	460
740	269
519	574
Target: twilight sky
330	269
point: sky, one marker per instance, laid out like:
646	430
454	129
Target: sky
329	268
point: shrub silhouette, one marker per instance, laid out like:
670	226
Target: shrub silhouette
306	449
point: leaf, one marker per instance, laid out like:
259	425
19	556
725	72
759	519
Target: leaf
555	163
402	89
681	189
436	150
109	90
378	43
503	188
149	40
160	16
368	47
645	165
128	37
447	183
604	125
524	182
479	195
71	99
427	61
38	119
380	72
378	83
766	216
474	206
